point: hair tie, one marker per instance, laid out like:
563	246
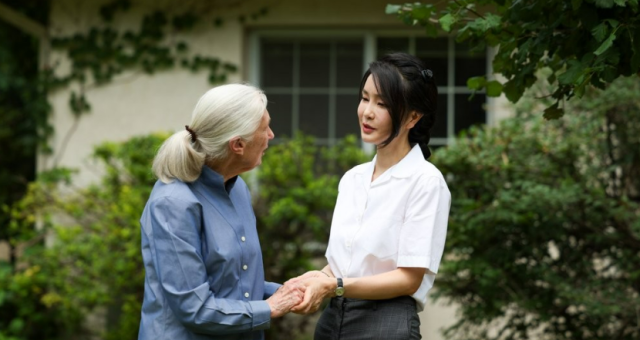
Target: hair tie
427	74
193	134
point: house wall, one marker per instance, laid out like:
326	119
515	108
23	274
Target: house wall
136	104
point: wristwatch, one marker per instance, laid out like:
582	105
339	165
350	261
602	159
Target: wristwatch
340	289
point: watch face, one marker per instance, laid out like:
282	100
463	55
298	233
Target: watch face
339	291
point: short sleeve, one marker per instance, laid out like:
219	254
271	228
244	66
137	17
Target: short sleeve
424	230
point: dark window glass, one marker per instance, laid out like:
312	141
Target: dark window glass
349	63
388	45
277	64
314	115
434	54
314	64
347	115
439	129
467	67
469	112
280	110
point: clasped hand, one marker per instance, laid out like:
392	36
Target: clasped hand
301	295
317	287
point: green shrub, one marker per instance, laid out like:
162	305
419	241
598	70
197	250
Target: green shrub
544	232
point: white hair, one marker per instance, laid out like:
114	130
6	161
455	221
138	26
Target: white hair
222	113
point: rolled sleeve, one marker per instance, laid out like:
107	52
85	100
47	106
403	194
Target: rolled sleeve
183	277
423	233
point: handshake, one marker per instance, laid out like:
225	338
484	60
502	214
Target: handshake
302	294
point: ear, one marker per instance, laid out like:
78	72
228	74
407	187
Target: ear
237	145
413	119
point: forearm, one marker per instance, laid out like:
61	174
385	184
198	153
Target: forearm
327	271
399	282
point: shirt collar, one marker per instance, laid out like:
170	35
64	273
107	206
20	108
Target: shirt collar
214	180
407	166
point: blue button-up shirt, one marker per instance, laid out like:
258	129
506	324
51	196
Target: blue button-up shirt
204	272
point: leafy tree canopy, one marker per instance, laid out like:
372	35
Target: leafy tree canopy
584	42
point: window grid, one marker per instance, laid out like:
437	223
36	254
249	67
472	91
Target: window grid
369	54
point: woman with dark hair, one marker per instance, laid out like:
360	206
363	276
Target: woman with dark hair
390	221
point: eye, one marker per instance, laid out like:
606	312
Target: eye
364	99
382	104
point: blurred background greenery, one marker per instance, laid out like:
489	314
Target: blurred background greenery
544	233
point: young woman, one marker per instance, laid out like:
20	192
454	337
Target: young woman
390	220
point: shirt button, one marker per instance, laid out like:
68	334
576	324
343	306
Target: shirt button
245	267
243	238
348	244
246	295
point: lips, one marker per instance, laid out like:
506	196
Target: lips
367	128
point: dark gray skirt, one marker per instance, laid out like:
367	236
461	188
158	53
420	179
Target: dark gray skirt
355	319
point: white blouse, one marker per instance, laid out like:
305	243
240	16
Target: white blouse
398	220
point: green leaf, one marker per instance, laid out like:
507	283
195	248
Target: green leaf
422	13
494	88
447	21
606	44
604	3
575	4
621	3
392	9
431	30
613	22
553	112
573	72
476	83
634	5
599	32
513	90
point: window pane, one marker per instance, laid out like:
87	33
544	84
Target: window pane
314	64
277	64
435	46
433	52
387	45
279	107
469	113
314	114
349	63
439	129
439	68
347	115
467	67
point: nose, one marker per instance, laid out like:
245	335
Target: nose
368	112
271	135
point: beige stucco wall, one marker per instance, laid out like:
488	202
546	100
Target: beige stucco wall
137	104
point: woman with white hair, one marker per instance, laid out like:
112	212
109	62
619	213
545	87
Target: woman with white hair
204	272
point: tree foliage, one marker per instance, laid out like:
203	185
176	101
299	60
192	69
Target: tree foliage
544	238
585	43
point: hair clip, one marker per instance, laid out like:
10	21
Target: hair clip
194	137
427	74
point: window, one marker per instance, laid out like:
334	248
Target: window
312	81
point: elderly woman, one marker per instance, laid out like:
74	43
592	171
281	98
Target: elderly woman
204	272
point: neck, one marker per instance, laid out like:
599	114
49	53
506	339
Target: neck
227	168
391	154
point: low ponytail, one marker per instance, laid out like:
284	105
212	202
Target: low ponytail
177	159
221	114
420	134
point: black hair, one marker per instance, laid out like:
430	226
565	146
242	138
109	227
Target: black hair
406	85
